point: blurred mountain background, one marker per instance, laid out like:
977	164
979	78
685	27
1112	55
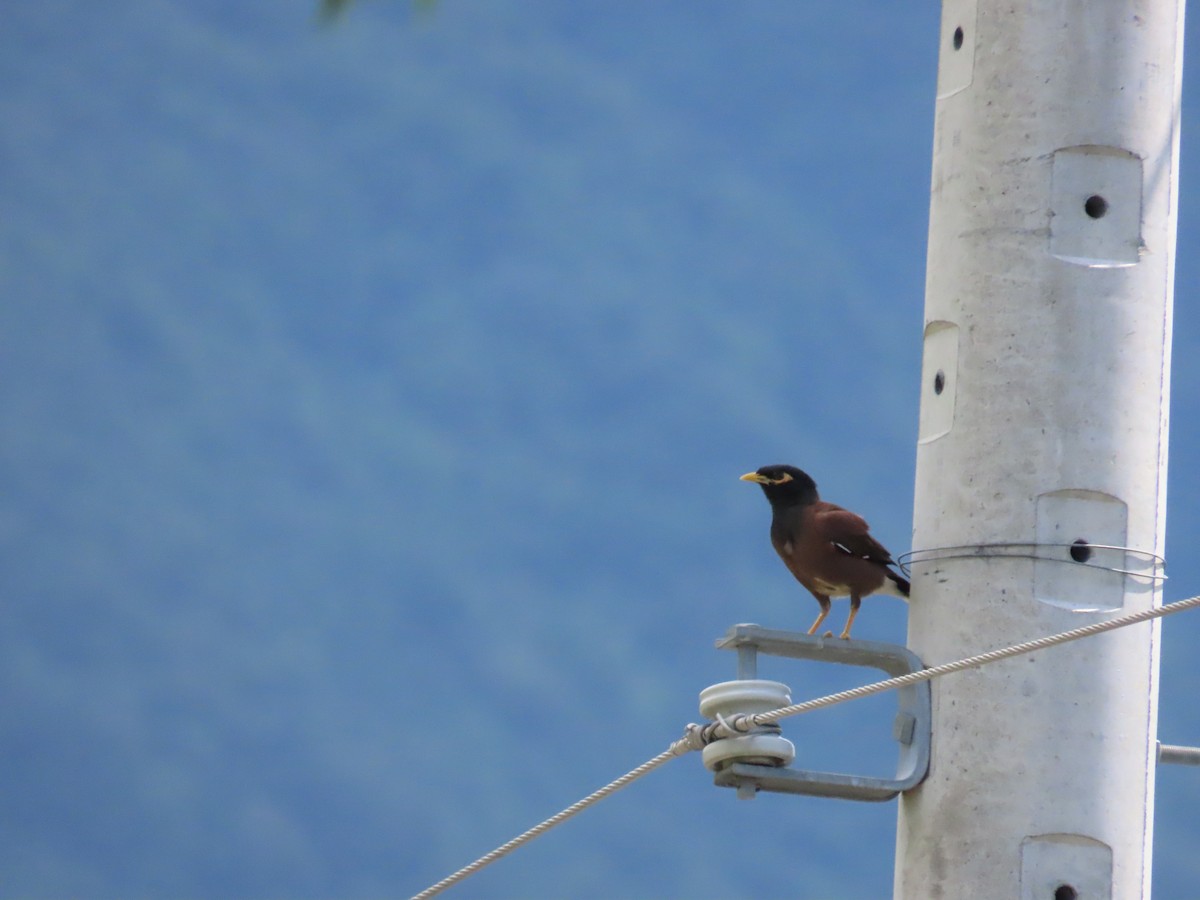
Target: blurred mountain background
375	389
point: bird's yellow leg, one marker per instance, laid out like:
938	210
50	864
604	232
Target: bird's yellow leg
854	604
825	604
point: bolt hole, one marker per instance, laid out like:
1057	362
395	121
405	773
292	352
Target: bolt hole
958	38
1065	892
1095	206
1081	551
939	382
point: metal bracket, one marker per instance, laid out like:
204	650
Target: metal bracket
912	729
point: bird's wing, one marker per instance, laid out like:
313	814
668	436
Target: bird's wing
850	532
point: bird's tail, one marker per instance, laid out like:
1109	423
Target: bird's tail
900	584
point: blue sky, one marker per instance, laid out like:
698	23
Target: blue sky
375	397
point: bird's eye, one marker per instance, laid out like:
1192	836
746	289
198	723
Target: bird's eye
783	478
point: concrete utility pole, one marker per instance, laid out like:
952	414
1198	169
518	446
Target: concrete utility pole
1044	429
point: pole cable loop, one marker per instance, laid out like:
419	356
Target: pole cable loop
1078	553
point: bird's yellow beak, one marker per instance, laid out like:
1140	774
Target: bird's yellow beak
763	479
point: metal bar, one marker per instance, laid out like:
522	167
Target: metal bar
1180	756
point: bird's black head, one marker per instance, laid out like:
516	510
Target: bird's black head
784	485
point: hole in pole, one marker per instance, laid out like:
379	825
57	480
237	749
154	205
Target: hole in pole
939	382
1065	892
1095	206
958	38
1081	551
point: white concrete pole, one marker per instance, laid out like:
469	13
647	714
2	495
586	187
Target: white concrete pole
1044	422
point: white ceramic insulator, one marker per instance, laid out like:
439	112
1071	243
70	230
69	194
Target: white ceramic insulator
746	697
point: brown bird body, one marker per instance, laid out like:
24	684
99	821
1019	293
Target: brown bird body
828	549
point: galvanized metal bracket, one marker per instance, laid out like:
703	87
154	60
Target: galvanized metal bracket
912	727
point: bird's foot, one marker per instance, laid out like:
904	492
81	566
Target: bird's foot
827	634
845	635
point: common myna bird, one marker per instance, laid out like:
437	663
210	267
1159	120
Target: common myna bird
827	548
